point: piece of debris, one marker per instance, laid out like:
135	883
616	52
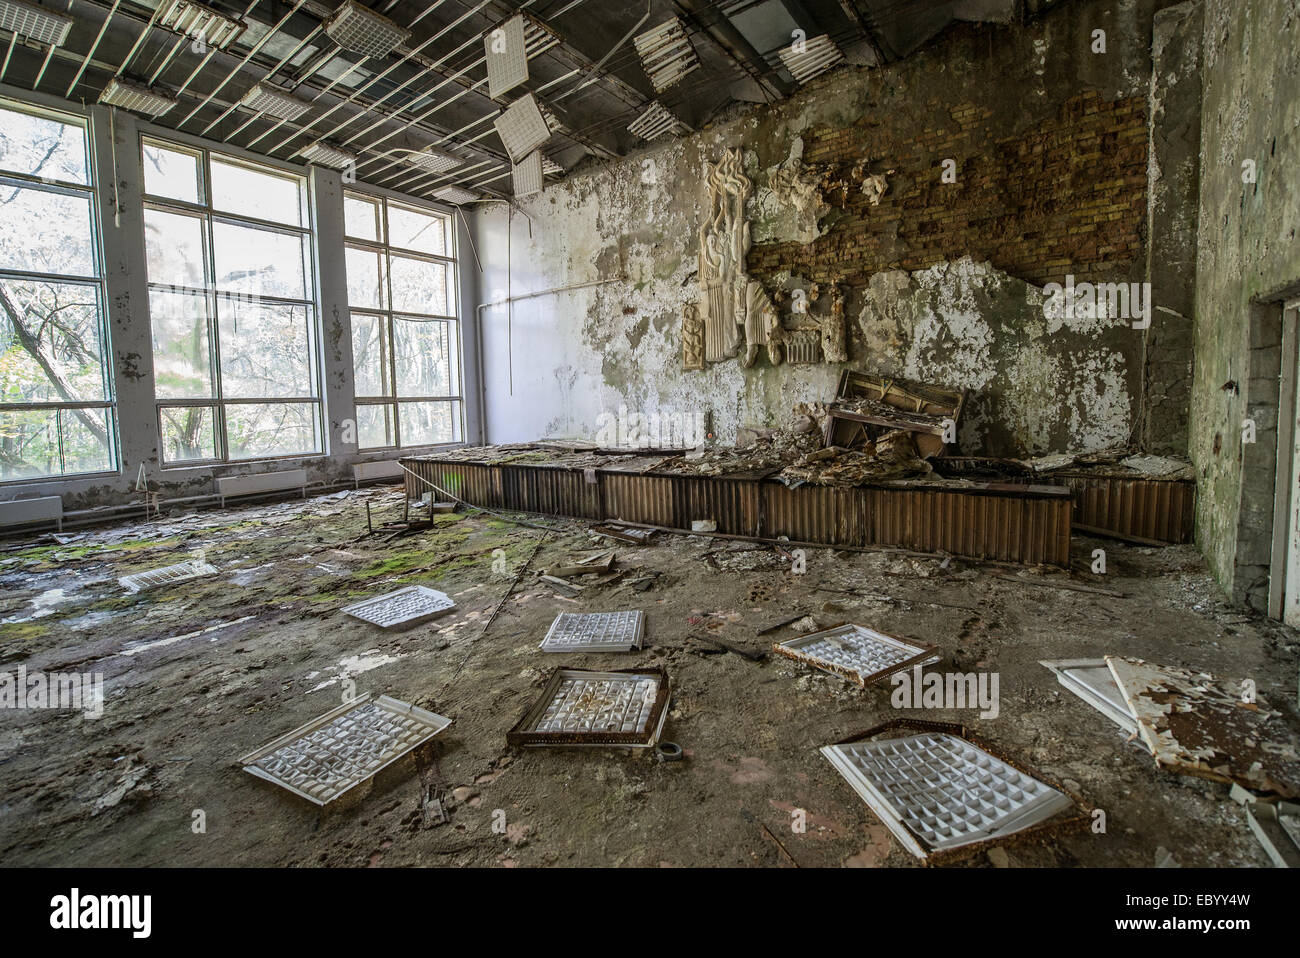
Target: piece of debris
635	536
167	575
1199	725
754	655
1275	823
704	525
560	585
1092	681
595	632
402	609
598	563
1165	858
579	707
857	653
940	790
343	748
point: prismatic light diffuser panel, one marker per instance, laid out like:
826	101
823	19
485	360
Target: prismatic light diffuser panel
434	160
938	792
266	99
34	22
326	154
522	127
403	608
359	29
136	97
454	195
579	707
527	174
595	632
199	22
811	57
325	758
167	575
856	652
507	57
666	53
655	122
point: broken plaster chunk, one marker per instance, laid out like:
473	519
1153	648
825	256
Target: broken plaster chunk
704	525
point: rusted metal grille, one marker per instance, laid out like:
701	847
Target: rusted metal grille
1159	509
1010	522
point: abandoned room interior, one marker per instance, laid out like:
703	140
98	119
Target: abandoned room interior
695	433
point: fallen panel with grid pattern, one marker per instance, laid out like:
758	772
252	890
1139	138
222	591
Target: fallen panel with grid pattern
937	791
595	632
343	748
856	652
581	707
403	608
167	575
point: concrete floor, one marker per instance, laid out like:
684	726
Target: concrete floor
123	789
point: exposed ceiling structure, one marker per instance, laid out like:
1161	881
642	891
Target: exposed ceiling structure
401	90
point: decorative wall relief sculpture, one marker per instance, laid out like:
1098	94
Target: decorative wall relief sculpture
803	346
692	337
762	326
724	241
834	346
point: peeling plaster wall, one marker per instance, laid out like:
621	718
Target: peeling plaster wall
554	363
1248	257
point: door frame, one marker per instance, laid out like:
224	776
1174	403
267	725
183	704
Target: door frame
1286	452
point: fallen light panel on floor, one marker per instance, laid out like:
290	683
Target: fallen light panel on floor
857	653
167	575
580	707
1092	681
403	608
331	755
595	632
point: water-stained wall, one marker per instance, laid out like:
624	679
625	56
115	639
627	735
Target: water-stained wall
943	279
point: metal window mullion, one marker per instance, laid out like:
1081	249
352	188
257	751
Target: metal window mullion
27	180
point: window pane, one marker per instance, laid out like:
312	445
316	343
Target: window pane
42	231
360	218
247	192
426	423
419	287
413	230
51	348
265	350
370	355
29	443
365	278
85	434
171	173
375	426
271	429
259	261
188	433
174	248
424	358
182	359
38	146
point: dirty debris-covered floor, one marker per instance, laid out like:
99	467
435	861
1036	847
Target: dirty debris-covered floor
198	674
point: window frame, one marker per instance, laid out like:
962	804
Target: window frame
210	216
385	312
89	191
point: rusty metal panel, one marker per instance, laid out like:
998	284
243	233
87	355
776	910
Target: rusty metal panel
1159	509
647	499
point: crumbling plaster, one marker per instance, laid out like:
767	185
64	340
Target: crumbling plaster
577	354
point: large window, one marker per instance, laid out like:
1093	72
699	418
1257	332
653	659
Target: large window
405	337
56	402
231	298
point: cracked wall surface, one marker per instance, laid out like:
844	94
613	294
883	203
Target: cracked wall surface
940	300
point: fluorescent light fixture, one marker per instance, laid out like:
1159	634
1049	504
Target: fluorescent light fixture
434	160
34	23
817	56
522	127
528	174
507	58
666	53
551	168
655	122
136	97
360	30
454	195
200	22
263	98
327	154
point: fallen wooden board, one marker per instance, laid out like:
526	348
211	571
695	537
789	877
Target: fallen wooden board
1199	725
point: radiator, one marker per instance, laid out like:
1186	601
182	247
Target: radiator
17	512
231	486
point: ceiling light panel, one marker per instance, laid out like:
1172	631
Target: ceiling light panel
454	195
434	160
136	97
666	53
528	174
817	56
34	23
656	122
263	98
200	22
359	29
507	59
327	154
551	168
522	127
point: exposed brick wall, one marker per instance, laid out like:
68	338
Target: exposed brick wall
1066	196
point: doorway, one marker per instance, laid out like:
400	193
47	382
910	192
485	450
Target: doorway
1284	578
